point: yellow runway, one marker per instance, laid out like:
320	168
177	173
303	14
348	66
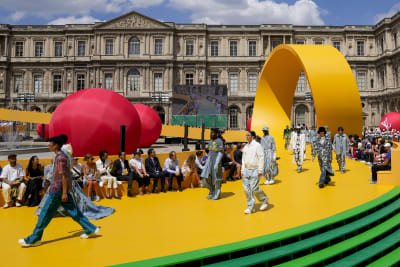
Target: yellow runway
158	225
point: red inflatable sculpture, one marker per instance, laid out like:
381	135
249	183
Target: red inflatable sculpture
150	123
390	121
248	126
91	119
46	130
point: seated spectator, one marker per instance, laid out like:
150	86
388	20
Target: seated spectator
90	174
153	168
189	172
77	173
122	171
380	156
104	167
143	179
12	181
34	174
171	170
48	175
237	157
199	162
230	165
386	165
205	156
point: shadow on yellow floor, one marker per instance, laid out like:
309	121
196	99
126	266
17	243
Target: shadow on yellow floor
158	225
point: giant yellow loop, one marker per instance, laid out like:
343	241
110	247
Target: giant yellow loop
333	86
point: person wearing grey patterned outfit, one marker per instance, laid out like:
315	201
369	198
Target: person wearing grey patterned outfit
328	133
212	172
298	143
270	167
341	146
313	138
323	147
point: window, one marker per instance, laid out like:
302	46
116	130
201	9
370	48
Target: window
189	47
301	83
38	83
252	82
300	42
109	47
336	45
395	40
214	79
275	43
80	85
18	83
372	83
19	49
189	78
233	82
233	117
161	113
38	49
214	48
108	77
361	80
233	48
319	42
57	83
381	43
133	80
301	115
134	46
81	48
58	49
249	113
158	82
252	48
158	46
360	48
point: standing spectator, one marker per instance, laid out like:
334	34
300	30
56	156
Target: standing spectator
12	178
153	168
90	174
270	166
298	143
137	165
189	171
34	174
199	162
385	166
122	171
171	169
341	146
323	146
77	173
253	167
104	167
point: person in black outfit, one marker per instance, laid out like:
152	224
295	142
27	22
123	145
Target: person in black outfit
34	172
153	168
122	171
229	164
237	154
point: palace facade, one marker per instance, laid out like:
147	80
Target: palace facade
143	59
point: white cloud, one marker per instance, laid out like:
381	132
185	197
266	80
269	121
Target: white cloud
393	10
302	12
145	3
74	20
16	16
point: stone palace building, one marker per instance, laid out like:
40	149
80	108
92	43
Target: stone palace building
143	59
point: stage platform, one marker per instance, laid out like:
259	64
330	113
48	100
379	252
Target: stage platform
150	226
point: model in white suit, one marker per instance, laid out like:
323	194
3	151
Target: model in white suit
298	144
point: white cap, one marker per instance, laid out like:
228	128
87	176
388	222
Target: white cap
265	128
387	145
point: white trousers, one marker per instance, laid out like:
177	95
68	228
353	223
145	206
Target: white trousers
7	192
111	181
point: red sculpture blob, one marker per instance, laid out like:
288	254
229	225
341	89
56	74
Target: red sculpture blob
46	130
151	125
390	121
248	126
91	119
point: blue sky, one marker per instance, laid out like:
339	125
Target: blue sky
315	12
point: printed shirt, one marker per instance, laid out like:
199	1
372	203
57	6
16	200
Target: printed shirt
215	146
61	167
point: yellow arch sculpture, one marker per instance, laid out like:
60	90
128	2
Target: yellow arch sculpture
333	86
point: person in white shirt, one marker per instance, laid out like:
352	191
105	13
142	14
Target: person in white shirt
143	179
199	162
12	181
171	169
252	170
104	167
298	144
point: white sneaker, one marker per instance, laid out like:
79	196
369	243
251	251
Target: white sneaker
101	184
18	204
272	181
248	211
6	206
97	198
264	206
119	182
25	245
266	182
85	236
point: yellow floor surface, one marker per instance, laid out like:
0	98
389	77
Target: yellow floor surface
157	225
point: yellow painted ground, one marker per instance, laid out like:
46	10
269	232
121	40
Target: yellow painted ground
157	225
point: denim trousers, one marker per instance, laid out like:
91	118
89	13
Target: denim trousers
251	188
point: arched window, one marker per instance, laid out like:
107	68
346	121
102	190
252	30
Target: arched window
233	117
134	46
161	113
52	109
301	84
133	80
301	114
249	113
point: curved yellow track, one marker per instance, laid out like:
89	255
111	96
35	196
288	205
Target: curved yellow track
334	89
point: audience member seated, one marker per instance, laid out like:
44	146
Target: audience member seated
153	168
90	174
77	173
381	155
385	166
48	175
143	179
237	157
171	169
104	167
205	156
199	162
34	174
12	182
230	165
122	171
190	173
